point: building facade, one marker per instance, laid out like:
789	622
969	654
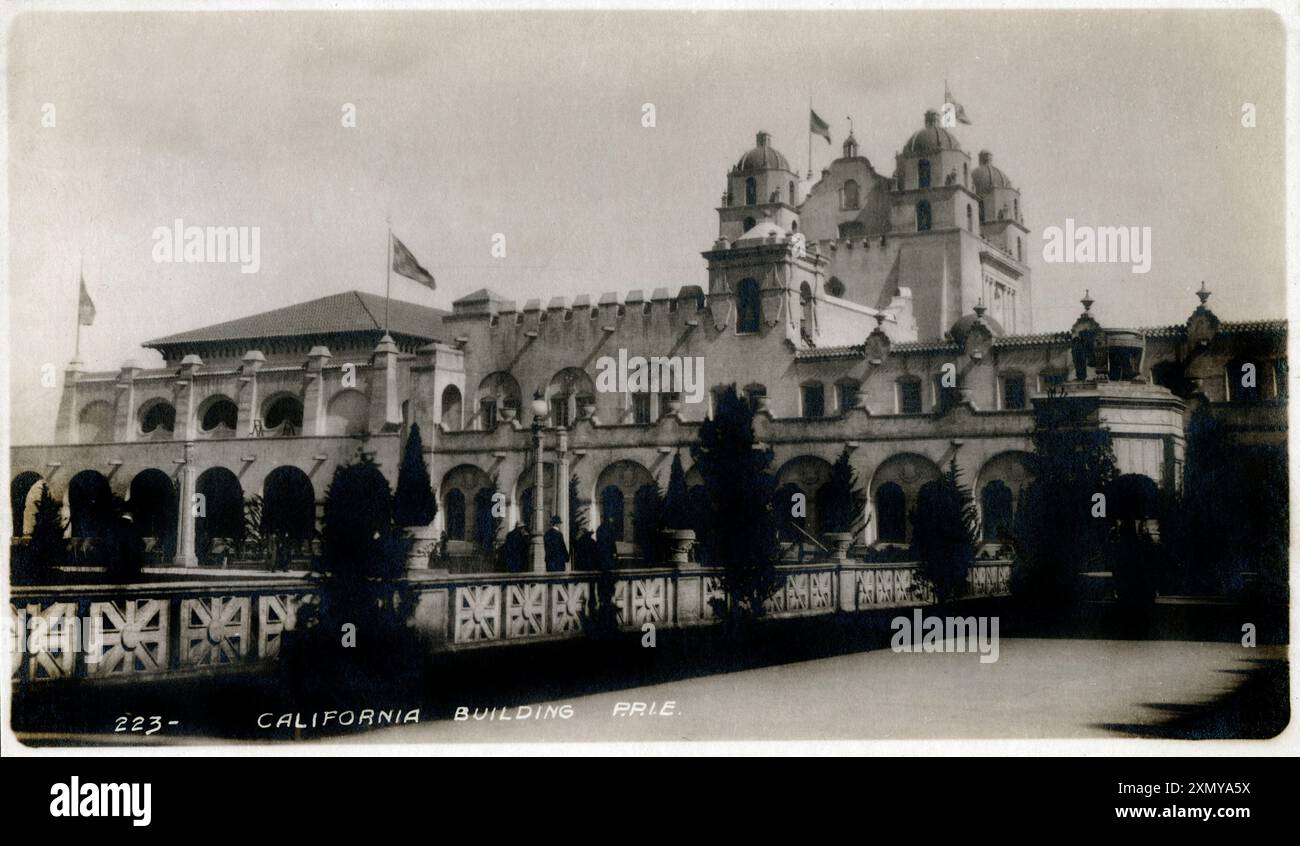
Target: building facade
886	315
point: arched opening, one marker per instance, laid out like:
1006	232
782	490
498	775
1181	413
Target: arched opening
923	173
90	505
806	474
152	503
923	216
347	413
908	473
891	513
1245	378
970	223
996	508
567	392
617	487
455	511
749	306
95	423
751	191
451	409
612	510
526	486
498	399
158	420
283	415
849	195
19	489
835	287
220	528
219	416
288	509
793	198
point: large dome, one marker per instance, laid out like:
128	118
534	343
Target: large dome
932	139
763	157
987	177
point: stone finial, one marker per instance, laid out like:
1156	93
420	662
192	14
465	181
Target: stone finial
386	345
1087	301
1204	293
980	309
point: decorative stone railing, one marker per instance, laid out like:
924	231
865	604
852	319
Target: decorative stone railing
138	631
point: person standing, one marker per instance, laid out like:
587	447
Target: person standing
557	552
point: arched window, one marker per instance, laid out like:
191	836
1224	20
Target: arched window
923	173
451	420
849	195
965	173
970	224
891	513
284	412
19	489
455	514
1245	380
96	423
1020	253
792	197
835	287
221	412
996	502
981	211
923	216
158	417
751	191
749	306
611	510
347	413
1016	206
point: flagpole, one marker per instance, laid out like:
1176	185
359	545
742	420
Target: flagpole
810	108
81	281
388	276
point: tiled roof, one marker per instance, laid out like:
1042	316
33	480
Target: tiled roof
351	311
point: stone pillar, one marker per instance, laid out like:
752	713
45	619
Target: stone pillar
250	414
538	546
66	425
385	401
124	429
185	556
562	491
313	400
185	423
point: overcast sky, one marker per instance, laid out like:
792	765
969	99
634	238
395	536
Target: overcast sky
529	125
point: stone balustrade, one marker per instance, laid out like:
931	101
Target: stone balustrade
105	633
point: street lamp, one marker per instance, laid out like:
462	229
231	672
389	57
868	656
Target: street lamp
538	547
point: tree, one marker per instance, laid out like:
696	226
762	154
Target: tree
647	522
413	503
577	509
49	548
357	524
740	527
677	507
945	530
1055	536
842	501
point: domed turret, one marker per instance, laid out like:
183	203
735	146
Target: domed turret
763	157
932	139
986	177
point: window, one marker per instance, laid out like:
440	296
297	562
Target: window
814	400
850	395
612	505
560	411
970	225
749	306
221	412
792	197
965	173
751	191
286	411
487	414
1245	380
641	408
667	401
909	396
835	287
749	224
923	173
981	211
923	216
1016	207
805	311
159	416
753	394
1013	392
849	195
997	507
1020	253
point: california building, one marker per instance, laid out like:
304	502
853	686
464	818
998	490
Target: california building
889	314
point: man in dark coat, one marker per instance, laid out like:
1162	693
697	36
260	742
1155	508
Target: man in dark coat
584	551
557	553
514	551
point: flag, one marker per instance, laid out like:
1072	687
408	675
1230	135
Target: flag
86	307
817	126
958	109
404	264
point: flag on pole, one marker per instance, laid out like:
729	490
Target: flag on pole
85	307
959	111
405	264
817	126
